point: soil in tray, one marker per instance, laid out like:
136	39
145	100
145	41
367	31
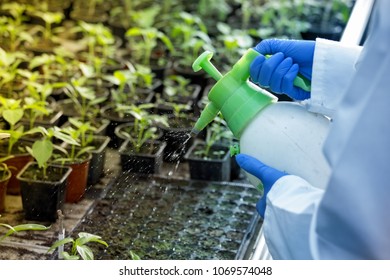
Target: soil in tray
171	220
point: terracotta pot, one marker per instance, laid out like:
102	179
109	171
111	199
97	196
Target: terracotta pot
16	164
3	190
77	180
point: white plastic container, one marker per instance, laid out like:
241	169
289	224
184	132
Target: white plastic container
284	135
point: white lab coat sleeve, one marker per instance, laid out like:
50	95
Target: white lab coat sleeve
288	216
333	68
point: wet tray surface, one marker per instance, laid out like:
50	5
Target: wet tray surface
161	219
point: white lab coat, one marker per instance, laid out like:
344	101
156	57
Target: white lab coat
349	220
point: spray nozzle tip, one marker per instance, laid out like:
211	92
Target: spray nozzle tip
203	62
194	132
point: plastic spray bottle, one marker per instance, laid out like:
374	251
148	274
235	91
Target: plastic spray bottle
283	135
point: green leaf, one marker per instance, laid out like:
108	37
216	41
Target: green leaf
12	116
133	32
86	237
42	151
85	252
134	256
23	227
59	243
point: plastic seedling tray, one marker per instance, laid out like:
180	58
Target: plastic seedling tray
169	219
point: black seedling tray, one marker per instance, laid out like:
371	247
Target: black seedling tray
171	219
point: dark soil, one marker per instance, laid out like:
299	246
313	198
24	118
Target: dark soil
160	219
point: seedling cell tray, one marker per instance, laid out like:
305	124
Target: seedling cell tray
163	219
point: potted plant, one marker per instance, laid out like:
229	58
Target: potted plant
14	33
141	152
177	133
11	80
38	108
189	36
150	46
84	103
43	184
45	39
210	159
79	246
134	84
12	112
88	138
76	157
178	89
100	50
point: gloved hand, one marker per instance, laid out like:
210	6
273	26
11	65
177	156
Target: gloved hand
267	175
289	57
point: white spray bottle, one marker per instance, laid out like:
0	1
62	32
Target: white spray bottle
283	135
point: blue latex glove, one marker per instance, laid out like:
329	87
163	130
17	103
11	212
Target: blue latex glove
267	175
289	57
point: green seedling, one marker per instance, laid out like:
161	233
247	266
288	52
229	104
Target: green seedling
144	128
84	97
176	86
128	81
216	133
50	19
42	149
79	246
151	36
19	228
189	35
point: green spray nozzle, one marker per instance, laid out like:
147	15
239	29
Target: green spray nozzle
210	111
233	95
203	62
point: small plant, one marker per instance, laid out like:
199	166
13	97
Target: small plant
232	44
100	44
79	247
10	72
176	86
19	228
76	151
13	30
143	49
189	36
84	131
50	19
84	98
128	81
42	149
35	109
144	128
216	133
12	112
179	110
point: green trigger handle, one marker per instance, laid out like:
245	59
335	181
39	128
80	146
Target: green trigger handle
299	81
